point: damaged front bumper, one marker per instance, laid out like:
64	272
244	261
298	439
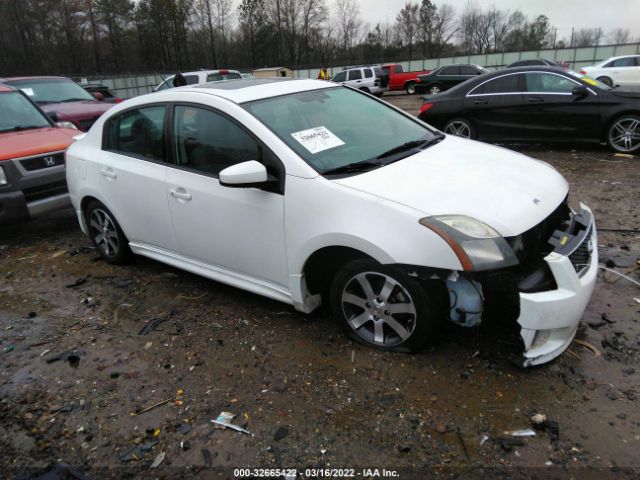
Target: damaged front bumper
549	319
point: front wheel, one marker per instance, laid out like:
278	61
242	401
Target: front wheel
106	234
624	134
382	307
606	81
460	127
410	88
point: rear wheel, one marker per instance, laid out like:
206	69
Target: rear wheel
382	307
624	134
410	87
435	88
605	80
106	234
460	127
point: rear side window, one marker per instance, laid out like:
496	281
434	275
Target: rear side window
368	73
215	77
137	132
468	70
450	71
505	84
624	62
355	74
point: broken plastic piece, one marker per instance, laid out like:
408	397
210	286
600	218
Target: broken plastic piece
525	432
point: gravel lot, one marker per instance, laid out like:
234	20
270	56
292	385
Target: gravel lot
146	333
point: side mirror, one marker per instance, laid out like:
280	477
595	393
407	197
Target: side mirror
580	91
245	174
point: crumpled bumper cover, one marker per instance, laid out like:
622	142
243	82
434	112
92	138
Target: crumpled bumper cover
549	320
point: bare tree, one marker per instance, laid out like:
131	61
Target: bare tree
498	23
444	28
252	15
587	37
407	24
620	35
204	13
349	22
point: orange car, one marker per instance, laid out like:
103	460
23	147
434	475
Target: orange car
32	175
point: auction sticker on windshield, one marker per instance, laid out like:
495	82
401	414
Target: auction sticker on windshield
28	91
317	139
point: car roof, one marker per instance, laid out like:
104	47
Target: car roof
622	56
39	77
196	72
534	68
247	90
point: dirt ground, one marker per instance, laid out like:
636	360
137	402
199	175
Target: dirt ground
133	337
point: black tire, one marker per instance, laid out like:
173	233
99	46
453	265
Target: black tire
623	135
435	86
410	88
418	311
460	125
605	80
106	234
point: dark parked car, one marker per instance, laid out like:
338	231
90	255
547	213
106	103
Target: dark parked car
61	98
538	104
538	62
443	78
101	93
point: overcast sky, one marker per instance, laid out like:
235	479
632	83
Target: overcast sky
563	14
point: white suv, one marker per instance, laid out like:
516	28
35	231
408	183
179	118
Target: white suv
200	76
616	71
306	192
370	79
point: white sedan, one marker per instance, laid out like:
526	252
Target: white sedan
310	193
623	71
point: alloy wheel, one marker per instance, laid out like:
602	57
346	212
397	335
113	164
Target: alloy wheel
104	232
379	309
459	128
624	135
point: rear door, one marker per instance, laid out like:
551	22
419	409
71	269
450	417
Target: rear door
551	111
494	107
449	76
354	78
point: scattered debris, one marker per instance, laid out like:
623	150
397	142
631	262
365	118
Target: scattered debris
484	439
77	283
136	452
596	352
9	348
281	433
158	460
625	155
538	419
461	440
58	254
525	432
206	455
183	297
71	356
150	407
441	427
224	420
154	323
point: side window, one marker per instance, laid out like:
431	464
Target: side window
192	79
137	132
210	142
355	74
624	62
469	70
368	73
450	71
547	83
397	69
505	84
340	77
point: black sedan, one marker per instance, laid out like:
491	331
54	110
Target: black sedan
443	78
540	104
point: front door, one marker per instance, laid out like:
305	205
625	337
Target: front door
239	230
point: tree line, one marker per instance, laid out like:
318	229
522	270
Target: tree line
127	36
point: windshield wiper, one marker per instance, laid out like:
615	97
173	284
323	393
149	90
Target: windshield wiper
412	145
364	166
19	128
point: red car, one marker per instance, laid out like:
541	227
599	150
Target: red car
62	99
401	80
32	173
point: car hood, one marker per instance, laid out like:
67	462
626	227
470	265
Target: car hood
627	92
34	142
504	189
77	110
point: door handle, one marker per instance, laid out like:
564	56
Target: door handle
535	99
481	102
107	172
180	195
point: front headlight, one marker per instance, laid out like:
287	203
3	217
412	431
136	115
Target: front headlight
3	177
476	244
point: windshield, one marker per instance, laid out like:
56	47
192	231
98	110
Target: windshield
17	113
52	90
335	127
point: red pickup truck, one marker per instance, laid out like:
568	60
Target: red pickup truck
400	80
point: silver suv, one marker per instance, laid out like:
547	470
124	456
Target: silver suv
370	79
